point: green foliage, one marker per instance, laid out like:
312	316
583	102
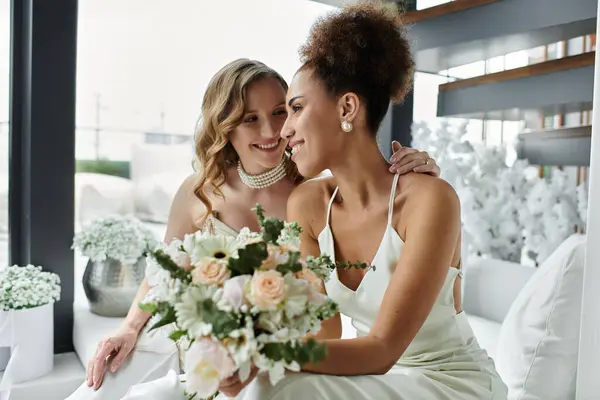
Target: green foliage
357	265
292	264
170	266
302	353
223	323
176	335
271	227
249	259
105	167
167	313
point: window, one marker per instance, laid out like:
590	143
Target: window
426	88
421	4
4	125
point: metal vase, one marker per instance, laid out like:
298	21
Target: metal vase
111	286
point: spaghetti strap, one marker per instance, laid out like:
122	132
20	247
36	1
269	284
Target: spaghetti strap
392	198
330	204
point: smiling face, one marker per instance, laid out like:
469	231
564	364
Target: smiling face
313	126
256	139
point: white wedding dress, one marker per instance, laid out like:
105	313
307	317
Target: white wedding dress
444	360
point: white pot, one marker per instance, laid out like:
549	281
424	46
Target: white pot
30	335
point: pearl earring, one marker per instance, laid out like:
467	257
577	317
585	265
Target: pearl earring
347	126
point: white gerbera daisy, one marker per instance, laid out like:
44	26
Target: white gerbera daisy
189	312
214	246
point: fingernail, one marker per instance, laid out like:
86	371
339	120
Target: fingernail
392	169
113	368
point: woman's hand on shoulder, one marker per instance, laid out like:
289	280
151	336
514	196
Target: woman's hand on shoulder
407	159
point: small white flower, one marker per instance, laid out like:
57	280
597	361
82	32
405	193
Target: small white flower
121	238
27	287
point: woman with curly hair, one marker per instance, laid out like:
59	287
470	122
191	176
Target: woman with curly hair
242	161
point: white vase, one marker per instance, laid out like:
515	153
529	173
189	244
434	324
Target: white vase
30	335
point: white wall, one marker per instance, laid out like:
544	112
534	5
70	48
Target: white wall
588	384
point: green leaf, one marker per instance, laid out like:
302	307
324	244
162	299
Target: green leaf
149	307
249	258
302	353
167	318
170	266
292	264
223	323
176	335
271	227
357	265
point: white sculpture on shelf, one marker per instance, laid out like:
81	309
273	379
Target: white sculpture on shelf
505	208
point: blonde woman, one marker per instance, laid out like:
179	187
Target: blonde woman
242	161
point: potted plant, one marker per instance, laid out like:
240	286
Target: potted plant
27	295
116	247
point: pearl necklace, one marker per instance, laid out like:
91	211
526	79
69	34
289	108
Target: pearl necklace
265	179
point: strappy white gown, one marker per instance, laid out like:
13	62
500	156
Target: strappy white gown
444	360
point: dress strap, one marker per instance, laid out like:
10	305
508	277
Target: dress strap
392	198
330	204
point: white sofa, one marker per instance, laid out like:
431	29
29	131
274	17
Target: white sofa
528	319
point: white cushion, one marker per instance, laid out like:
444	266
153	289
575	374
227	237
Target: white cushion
151	159
99	195
538	343
486	332
154	195
490	286
157	171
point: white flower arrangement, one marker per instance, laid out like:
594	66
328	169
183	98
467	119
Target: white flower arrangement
121	238
240	301
551	214
504	208
27	287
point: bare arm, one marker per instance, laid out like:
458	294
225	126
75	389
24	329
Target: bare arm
432	232
120	344
302	203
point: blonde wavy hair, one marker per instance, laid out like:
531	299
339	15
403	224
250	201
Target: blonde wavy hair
222	111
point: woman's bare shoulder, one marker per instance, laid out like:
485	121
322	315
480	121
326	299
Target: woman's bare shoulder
415	187
313	193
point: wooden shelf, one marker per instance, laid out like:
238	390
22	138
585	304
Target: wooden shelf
546	67
444	9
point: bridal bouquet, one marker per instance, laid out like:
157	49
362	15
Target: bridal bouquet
241	301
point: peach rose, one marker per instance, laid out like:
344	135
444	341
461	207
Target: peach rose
210	271
267	289
310	277
276	255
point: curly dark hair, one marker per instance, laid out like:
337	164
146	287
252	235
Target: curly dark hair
362	48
